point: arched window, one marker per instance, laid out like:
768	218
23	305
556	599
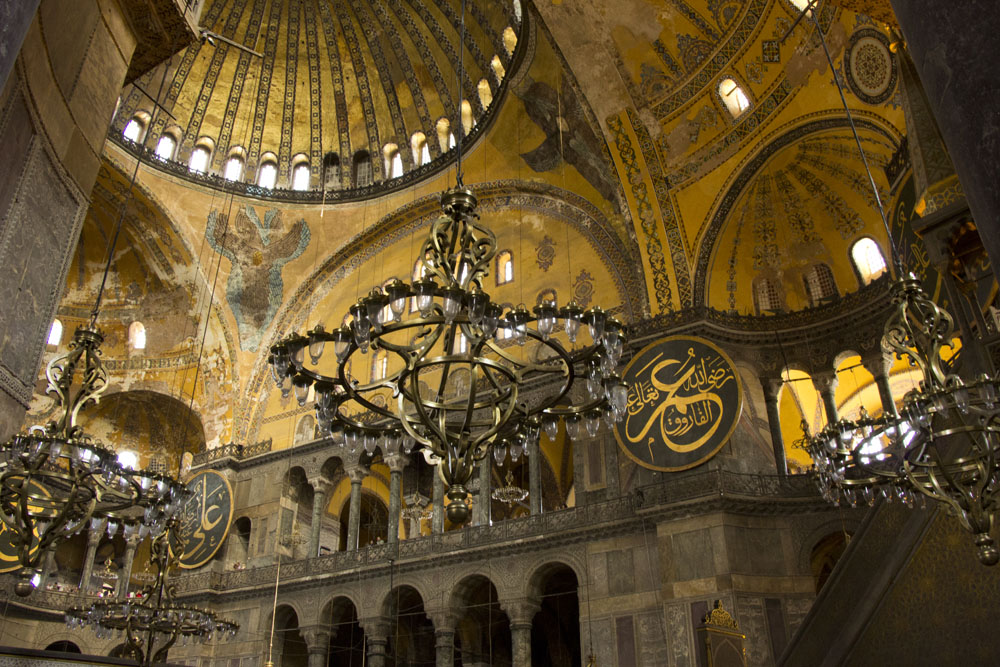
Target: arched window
55	333
820	285
166	147
362	169
267	172
485	94
198	163
380	365
443	128
766	297
234	167
393	161
301	177
509	40
137	336
868	259
331	171
505	267
421	153
517	10
498	68
451	140
800	5
467	121
733	97
135	128
128	460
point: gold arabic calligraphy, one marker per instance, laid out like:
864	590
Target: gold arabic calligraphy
686	401
199	517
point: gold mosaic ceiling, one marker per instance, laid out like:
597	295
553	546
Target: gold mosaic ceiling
336	77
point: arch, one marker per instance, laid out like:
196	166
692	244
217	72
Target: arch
267	172
55	333
411	638
166	146
361	169
767	297
730	196
393	160
445	137
301	175
331	171
233	169
468	120
734	96
137	335
135	129
867	259
555	628
201	155
483	630
63	646
509	40
819	284
374	521
289	646
347	637
824	556
239	538
485	93
504	267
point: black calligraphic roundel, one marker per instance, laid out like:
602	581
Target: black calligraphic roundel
684	401
204	521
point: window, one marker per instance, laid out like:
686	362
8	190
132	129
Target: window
362	169
133	129
517	10
485	94
421	153
165	147
467	121
199	160
331	171
267	174
234	168
498	68
509	40
137	336
443	128
393	161
300	176
128	460
733	97
505	267
868	259
55	333
380	365
451	140
820	286
800	5
765	296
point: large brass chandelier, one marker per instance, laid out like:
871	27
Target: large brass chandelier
56	482
152	622
944	444
458	376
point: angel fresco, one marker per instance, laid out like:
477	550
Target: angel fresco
258	249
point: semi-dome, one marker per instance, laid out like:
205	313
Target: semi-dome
311	99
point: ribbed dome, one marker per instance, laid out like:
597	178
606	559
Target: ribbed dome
342	87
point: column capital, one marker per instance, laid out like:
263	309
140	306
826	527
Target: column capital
444	621
94	537
521	612
356	472
396	461
321	485
825	381
877	364
377	628
317	638
772	387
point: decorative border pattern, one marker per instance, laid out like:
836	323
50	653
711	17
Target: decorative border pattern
236	92
264	83
291	76
364	88
315	92
337	79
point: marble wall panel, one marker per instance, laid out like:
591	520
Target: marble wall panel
625	637
750	615
652	639
678	628
621	574
693	555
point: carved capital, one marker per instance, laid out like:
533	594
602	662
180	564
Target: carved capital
356	472
444	622
317	638
877	364
321	485
396	461
771	386
825	382
521	612
377	629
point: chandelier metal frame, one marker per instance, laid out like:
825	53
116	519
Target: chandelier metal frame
152	615
55	481
420	401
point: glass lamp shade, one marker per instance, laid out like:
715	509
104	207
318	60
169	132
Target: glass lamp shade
546	315
573	426
341	343
425	290
397	292
478	301
595	319
451	303
316	344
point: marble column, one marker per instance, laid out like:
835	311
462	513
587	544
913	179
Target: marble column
444	638
952	45
317	640
521	615
437	513
376	643
131	544
579	469
772	387
48	566
878	367
93	539
826	385
321	495
612	477
482	510
356	473
534	478
396	463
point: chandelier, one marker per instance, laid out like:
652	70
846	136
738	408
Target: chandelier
56	482
458	376
944	442
153	616
510	493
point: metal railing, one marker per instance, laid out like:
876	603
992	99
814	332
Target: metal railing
231	451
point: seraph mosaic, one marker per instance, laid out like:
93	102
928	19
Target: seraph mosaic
258	250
